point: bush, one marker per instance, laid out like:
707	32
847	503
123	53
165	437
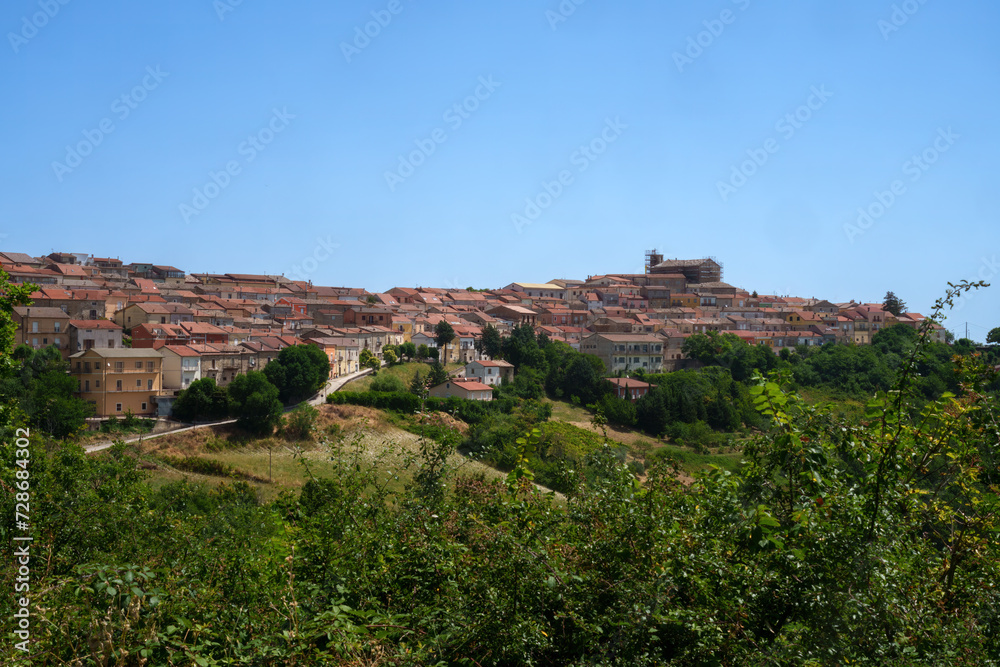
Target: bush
300	423
397	401
386	383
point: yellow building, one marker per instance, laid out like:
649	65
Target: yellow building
116	381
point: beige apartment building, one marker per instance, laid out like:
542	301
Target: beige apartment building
626	352
40	327
116	381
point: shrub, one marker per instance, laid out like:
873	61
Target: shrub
386	383
300	423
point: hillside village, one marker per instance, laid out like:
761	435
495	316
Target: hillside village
137	334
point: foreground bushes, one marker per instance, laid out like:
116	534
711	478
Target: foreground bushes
829	546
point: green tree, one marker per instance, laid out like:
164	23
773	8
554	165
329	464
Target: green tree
369	360
893	304
390	355
408	350
490	343
202	401
43	389
255	403
993	337
423	352
298	372
11	296
438	375
521	349
417	384
444	333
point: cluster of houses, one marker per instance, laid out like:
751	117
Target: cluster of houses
137	334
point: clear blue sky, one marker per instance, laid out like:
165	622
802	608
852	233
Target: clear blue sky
184	85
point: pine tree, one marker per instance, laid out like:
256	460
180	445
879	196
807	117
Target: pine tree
893	304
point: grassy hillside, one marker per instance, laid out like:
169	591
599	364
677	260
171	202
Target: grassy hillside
403	371
341	430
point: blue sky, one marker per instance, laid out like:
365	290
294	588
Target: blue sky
280	138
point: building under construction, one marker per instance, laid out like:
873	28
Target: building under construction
694	270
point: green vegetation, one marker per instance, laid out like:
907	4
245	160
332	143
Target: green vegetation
893	304
369	360
837	542
298	372
300	423
255	403
385	382
129	424
202	401
38	382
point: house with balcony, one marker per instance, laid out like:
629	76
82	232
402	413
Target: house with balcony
118	381
41	327
626	352
181	367
223	363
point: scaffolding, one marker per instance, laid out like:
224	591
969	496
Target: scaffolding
652	259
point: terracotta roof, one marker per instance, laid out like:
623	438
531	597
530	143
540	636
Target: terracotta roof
629	383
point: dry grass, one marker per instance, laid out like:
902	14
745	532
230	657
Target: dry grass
343	430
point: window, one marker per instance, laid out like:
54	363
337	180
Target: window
57	325
149	385
34	342
45	341
138	365
34	327
118	385
143	407
111	343
150	365
86	385
97	384
78	364
118	407
138	383
119	366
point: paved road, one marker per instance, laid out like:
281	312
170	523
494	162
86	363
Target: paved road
332	385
